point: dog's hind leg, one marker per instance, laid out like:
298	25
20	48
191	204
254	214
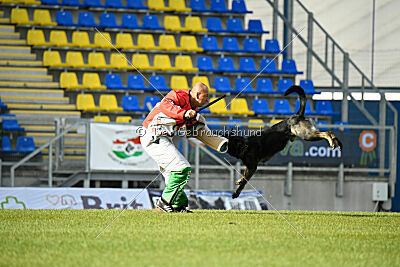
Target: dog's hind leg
248	173
329	136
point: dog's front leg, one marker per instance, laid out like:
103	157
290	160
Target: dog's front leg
248	173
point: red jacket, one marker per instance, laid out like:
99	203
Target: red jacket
172	107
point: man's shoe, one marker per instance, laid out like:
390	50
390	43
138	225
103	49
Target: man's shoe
182	209
164	206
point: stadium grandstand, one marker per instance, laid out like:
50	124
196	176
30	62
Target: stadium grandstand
72	70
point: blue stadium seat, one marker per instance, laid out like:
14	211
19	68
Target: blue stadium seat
151	22
214	124
12	125
264	85
6	145
198	6
283	85
136	4
209	43
3	106
234	25
324	107
255	26
244	85
247	64
204	63
50	2
131	103
230	44
219	6
272	47
129	21
225	64
136	82
115	4
25	144
107	20
308	110
281	106
157	82
72	3
86	19
222	84
113	81
214	25
150	101
64	18
289	66
239	6
94	3
252	45
7	115
267	65
308	87
260	106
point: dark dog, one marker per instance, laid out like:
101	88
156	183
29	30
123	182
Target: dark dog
255	149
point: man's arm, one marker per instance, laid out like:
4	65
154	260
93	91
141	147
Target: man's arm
171	107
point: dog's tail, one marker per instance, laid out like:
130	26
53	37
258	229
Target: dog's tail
303	99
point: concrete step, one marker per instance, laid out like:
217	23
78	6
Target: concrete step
45	114
48	136
9	35
14	84
12	42
23	70
32	63
17	56
4	21
31	92
69	151
7	28
15	49
39	128
67	144
26	77
41	106
35	100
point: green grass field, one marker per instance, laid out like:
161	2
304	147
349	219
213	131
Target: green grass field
204	238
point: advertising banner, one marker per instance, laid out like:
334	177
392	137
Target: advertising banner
117	147
73	198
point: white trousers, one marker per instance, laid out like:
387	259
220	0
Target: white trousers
166	155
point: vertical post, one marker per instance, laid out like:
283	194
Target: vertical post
87	147
287	31
333	63
340	180
57	145
196	166
12	176
289	179
275	20
1	176
310	45
50	168
345	88
393	162
382	132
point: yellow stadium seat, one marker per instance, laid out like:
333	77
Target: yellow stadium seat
109	103
97	60
178	5
81	39
202	79
74	59
123	119
219	107
59	38
179	82
239	106
68	80
119	61
31	2
101	119
102	40
42	17
172	23
92	81
256	123
141	61
52	59
184	63
36	37
275	121
193	24
146	41
20	16
124	41
85	102
162	62
12	1
189	43
167	42
157	5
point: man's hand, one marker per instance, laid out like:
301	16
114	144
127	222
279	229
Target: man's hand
190	114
